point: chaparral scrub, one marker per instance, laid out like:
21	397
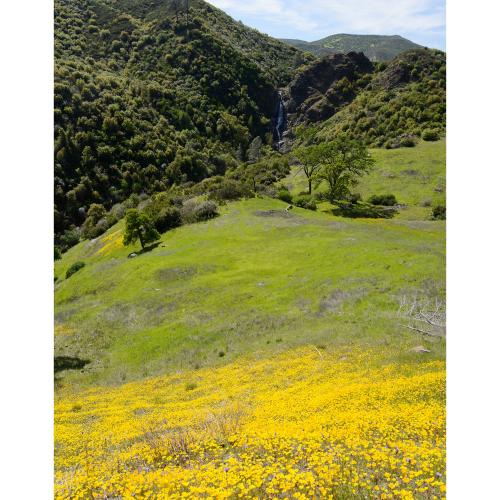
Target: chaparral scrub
305	424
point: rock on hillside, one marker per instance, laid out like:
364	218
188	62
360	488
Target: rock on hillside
323	87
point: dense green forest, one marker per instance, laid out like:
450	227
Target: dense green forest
149	93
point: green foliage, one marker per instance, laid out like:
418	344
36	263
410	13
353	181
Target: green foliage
284	195
145	99
139	226
167	218
205	211
74	268
57	253
164	213
339	163
257	176
375	47
228	189
416	176
405	98
430	135
354	198
439	212
305	201
95	223
69	238
194	211
310	158
386	200
407	142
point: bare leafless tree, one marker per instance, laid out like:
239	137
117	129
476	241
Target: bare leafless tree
423	315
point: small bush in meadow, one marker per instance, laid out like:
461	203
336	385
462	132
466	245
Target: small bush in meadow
430	135
284	195
439	212
205	211
408	142
386	200
167	218
74	268
305	201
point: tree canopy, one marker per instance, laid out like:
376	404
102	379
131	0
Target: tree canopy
339	163
139	226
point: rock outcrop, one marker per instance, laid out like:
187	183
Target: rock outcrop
325	86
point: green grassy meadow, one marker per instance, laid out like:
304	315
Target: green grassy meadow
416	176
254	281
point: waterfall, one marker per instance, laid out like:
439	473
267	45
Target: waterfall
280	119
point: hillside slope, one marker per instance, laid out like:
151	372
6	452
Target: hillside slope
262	353
147	94
375	47
382	105
253	280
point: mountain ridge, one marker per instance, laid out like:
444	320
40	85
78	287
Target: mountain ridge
376	47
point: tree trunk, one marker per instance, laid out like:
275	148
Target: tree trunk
140	239
310	183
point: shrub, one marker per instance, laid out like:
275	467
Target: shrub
407	142
74	268
439	212
230	189
386	200
57	253
430	135
354	197
284	195
69	238
311	205
305	201
205	211
167	218
116	213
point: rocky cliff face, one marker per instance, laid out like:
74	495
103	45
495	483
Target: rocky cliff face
325	86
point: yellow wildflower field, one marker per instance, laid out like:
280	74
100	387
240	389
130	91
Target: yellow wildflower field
112	242
305	424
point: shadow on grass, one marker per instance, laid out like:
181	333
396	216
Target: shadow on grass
149	248
146	249
68	363
357	210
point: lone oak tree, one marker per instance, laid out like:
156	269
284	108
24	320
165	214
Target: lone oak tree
310	158
339	163
139	226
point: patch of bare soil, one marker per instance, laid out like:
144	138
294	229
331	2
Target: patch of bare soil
176	273
334	301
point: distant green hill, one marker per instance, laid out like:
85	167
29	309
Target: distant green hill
375	47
